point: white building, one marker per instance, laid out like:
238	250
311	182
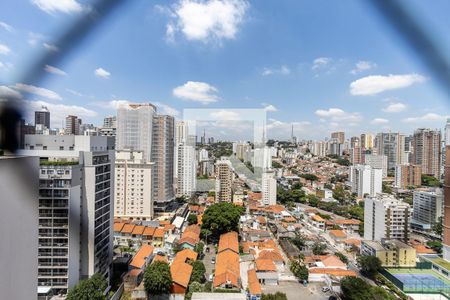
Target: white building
19	181
202	155
365	180
428	207
133	186
187	170
262	158
377	162
224	180
135	128
75	208
386	218
269	188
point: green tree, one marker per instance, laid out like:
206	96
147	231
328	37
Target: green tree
342	257
276	296
299	270
299	240
157	278
343	162
221	217
276	165
198	272
355	288
435	245
194	287
192	219
199	248
319	248
361	229
437	228
313	200
370	265
386	188
310	177
428	180
89	289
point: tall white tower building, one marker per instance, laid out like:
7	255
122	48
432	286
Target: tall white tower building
366	180
269	188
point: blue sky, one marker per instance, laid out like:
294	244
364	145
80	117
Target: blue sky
320	65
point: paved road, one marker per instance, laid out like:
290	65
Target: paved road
207	261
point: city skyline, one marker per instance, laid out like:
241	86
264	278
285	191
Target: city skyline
176	60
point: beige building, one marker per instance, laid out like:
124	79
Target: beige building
367	140
340	136
392	253
133	186
426	145
408	175
224	180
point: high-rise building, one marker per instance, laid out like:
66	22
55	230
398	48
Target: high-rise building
408	175
355	142
269	188
110	122
319	148
357	155
75	208
203	155
427	207
426	145
163	156
367	140
386	218
19	186
224	180
446	221
335	147
187	170
25	129
73	124
42	117
262	158
393	146
133	186
340	136
377	162
135	128
365	180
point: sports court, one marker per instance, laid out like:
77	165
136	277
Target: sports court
420	280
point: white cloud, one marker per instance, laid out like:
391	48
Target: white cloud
320	63
283	70
53	6
59	111
115	104
269	107
6	26
34	38
337	115
76	93
394	107
166	109
429	117
54	70
363	65
31	89
225	115
379	121
8	93
372	85
100	72
4	49
196	91
50	47
6	66
205	20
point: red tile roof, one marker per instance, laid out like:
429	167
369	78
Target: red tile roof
140	257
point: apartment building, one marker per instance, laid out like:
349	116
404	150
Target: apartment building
163	156
73	124
408	175
75	208
426	145
224	180
392	253
377	162
186	169
386	218
365	180
428	207
367	140
269	188
133	186
393	146
340	136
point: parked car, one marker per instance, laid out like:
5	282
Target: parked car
213	260
210	278
325	289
